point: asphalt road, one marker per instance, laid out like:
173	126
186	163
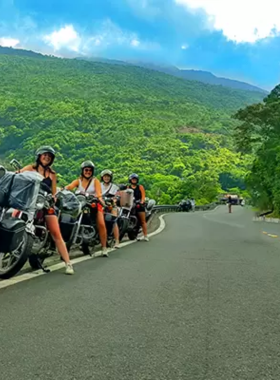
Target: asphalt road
198	302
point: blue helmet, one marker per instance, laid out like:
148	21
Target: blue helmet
133	176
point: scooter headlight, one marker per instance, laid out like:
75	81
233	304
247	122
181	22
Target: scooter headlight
40	202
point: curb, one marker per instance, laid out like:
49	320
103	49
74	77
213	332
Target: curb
266	220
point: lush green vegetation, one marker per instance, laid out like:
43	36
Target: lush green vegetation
175	133
259	133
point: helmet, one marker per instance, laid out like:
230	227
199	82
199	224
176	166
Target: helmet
42	150
132	176
106	172
88	164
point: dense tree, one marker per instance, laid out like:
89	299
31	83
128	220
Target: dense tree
259	133
175	133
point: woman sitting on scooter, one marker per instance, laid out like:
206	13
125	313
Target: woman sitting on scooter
44	159
87	183
139	195
110	190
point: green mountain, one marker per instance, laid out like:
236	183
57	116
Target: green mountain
176	134
194	75
202	76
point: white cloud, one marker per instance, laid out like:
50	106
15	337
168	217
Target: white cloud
108	35
135	42
66	37
184	47
111	35
97	42
9	42
240	20
146	8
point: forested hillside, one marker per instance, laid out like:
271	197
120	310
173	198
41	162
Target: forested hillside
201	76
193	75
175	133
259	133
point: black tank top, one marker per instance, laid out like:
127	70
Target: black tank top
137	192
47	181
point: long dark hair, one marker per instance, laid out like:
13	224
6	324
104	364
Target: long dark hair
48	168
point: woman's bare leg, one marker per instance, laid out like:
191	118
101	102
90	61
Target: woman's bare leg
142	218
101	229
53	227
116	229
116	232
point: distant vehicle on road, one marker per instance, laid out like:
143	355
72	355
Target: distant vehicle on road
234	199
185	205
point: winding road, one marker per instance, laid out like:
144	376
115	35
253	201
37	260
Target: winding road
200	301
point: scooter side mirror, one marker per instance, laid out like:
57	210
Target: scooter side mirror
15	164
151	203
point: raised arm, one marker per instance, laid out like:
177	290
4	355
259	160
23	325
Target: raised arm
72	185
54	182
28	168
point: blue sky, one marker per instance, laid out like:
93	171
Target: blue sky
237	39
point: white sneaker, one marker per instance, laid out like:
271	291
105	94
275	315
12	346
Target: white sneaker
117	244
146	238
105	252
69	269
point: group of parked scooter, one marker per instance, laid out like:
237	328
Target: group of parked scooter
26	238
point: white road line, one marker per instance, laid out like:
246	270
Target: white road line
55	267
214	208
223	222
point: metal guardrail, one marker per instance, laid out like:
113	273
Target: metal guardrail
173	208
209	206
166	208
177	208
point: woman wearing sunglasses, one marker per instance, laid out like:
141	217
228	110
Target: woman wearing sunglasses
87	183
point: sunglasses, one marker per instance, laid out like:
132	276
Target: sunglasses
88	170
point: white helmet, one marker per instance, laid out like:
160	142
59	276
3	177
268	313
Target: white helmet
107	172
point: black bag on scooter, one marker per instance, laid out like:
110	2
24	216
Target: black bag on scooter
6	183
70	208
110	220
67	224
11	234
